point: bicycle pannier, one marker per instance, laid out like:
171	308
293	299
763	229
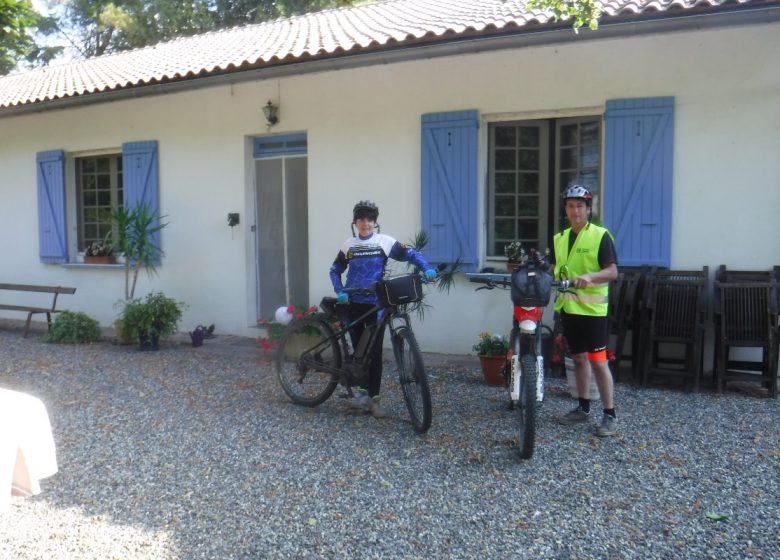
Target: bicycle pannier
531	287
399	290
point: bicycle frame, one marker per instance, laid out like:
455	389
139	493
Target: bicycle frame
348	375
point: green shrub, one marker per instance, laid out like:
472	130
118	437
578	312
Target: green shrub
71	327
155	316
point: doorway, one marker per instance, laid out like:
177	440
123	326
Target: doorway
281	187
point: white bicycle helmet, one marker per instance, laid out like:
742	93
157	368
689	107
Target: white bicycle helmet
578	191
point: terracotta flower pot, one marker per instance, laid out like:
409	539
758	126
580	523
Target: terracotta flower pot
511	266
101	259
493	369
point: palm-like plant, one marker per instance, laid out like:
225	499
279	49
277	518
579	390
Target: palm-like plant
136	230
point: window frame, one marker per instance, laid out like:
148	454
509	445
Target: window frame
116	192
550	199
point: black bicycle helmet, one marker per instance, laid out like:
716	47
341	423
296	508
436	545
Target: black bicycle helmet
578	191
365	209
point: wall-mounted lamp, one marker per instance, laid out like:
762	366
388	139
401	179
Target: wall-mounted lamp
271	113
233	219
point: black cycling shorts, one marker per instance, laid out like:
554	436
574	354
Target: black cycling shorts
585	333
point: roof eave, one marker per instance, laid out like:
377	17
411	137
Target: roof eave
447	45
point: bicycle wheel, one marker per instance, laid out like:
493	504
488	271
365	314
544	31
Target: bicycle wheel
528	406
307	363
414	381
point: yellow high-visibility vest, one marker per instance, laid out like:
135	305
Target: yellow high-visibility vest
584	258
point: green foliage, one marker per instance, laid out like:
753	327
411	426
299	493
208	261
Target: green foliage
18	23
155	315
136	229
582	12
71	327
491	344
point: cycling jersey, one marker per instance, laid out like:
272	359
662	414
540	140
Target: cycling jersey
365	260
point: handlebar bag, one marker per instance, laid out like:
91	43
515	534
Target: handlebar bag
531	287
399	290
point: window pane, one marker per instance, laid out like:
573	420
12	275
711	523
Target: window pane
528	206
568	158
505	229
505	136
88	165
528	159
527	229
568	178
505	205
529	137
590	179
505	183
88	182
104	182
589	132
90	215
505	159
90	198
569	136
104	198
103	165
90	231
528	183
104	215
589	155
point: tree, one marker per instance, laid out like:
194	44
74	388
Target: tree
583	12
18	23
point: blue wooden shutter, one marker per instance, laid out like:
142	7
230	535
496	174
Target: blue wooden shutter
52	230
140	178
449	187
638	167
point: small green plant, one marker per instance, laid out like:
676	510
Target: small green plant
74	327
155	316
491	344
514	251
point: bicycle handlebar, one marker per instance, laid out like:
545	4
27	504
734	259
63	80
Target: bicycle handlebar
493	280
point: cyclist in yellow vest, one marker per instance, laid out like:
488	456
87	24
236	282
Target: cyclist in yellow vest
585	254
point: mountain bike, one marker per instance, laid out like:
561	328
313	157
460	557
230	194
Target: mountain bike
531	285
315	353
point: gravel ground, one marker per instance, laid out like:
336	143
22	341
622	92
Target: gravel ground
197	454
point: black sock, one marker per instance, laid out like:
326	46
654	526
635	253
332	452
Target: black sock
585	405
610	412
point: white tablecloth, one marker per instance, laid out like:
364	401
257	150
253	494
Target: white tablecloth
27	451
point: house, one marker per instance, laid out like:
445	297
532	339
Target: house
465	119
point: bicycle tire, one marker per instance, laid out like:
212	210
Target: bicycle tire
413	379
527	406
297	371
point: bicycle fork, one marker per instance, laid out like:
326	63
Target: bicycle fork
526	337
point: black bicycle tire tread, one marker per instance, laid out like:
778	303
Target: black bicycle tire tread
319	320
423	386
528	406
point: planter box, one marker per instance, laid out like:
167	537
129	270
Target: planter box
103	259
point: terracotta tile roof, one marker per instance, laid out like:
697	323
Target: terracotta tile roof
383	25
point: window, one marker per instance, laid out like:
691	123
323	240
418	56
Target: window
99	190
83	189
529	164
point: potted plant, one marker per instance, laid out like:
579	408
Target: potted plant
492	350
100	252
149	319
515	254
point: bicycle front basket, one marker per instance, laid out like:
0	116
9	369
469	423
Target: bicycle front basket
399	290
531	287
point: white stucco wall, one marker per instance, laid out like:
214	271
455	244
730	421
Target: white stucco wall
363	128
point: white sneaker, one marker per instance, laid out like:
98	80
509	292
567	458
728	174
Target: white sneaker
376	409
361	400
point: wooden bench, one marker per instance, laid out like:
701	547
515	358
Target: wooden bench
32	310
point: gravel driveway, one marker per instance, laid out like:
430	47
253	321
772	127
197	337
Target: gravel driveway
197	454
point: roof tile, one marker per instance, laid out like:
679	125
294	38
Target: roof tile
317	35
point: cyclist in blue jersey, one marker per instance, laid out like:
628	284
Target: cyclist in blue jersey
364	256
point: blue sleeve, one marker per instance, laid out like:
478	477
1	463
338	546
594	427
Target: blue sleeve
336	270
401	252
